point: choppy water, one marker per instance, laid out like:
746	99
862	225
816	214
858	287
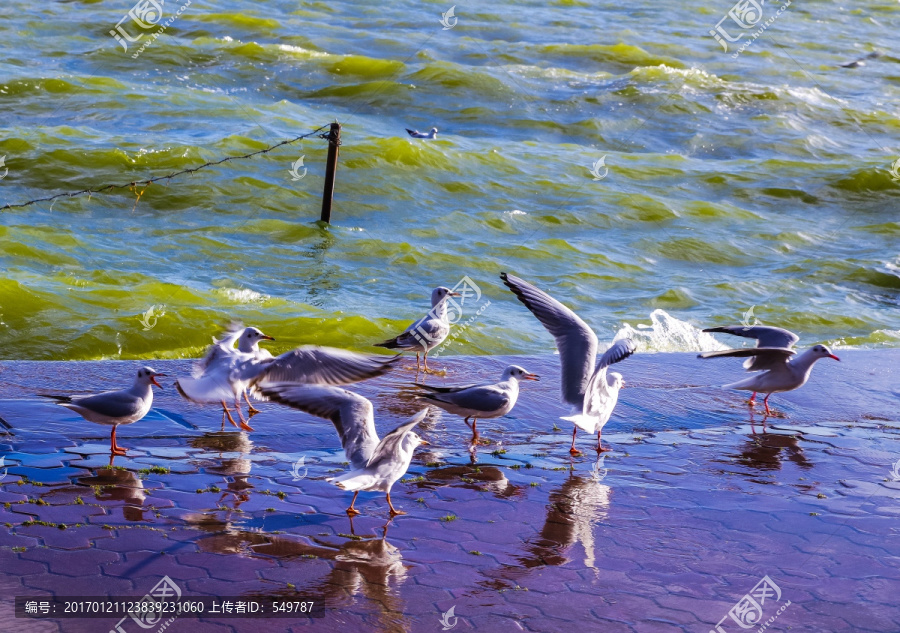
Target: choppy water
762	181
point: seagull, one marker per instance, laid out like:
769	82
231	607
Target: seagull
862	60
480	401
418	134
586	386
773	357
225	373
429	331
376	464
115	407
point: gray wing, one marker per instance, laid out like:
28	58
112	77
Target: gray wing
442	389
350	413
428	329
113	404
319	366
576	342
389	446
481	398
618	351
765	335
758	358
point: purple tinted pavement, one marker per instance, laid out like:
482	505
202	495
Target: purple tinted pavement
686	515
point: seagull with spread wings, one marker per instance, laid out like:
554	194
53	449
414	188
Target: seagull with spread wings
586	386
781	369
227	373
375	463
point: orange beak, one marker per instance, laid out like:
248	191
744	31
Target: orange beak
454	294
531	377
153	380
424	443
833	356
266	337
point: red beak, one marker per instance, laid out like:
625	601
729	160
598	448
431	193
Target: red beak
833	356
153	380
267	337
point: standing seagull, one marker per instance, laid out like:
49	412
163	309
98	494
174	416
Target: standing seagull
115	407
771	356
480	401
225	373
418	134
429	331
376	464
585	384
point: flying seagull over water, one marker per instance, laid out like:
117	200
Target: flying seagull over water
227	373
586	386
418	134
862	60
773	357
375	464
480	401
429	331
113	408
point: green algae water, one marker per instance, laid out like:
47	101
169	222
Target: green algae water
611	153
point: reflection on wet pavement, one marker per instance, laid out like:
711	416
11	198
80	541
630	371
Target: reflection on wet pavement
693	506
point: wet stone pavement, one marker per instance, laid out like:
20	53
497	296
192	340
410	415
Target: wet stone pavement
672	530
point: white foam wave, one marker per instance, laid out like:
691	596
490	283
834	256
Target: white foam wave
243	295
666	333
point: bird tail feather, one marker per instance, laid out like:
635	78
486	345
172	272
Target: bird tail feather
390	343
741	384
59	399
582	421
354	480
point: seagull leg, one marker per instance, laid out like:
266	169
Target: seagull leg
114	447
752	400
243	424
227	412
425	361
394	511
475	433
250	408
600	448
351	511
573	450
766	402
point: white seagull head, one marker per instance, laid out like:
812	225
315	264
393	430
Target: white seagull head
250	338
615	380
519	373
147	376
440	293
820	351
412	440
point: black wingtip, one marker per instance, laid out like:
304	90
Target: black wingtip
59	399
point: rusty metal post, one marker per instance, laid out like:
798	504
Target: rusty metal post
334	141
